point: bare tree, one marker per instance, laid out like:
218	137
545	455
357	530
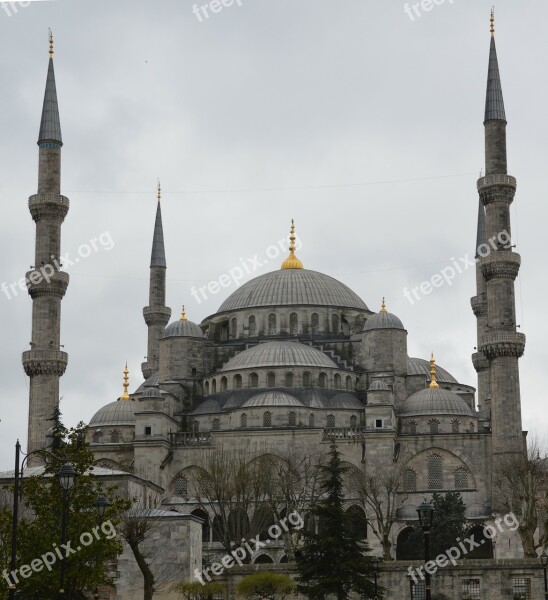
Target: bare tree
379	486
520	486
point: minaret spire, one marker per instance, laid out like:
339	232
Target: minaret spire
157	313
45	363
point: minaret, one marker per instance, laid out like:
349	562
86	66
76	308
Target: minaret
501	344
45	363
157	313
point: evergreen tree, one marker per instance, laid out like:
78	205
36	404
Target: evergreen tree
333	561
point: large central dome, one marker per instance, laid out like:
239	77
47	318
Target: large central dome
289	287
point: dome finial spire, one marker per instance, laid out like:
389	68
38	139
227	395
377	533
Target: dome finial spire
125	395
433	382
383	306
292	262
493	21
50	43
183	314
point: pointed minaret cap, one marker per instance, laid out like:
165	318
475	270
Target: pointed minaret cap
494	103
158	256
292	262
433	382
50	125
125	395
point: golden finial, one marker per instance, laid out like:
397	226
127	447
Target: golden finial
383	306
292	262
433	382
50	43
183	314
493	21
125	395
159	191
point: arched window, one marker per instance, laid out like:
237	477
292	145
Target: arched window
315	323
267	419
272	324
216	425
201	514
96	437
330	421
455	426
323	380
335	324
353	421
253	380
293	324
271	380
348	383
252	326
234	328
357	522
195	426
434	426
237	382
180	486
337	381
243	421
472	427
263	559
409	481
214	386
206	389
292	419
289	380
435	472
224	383
306	379
461	479
412	426
217	530
115	437
311	420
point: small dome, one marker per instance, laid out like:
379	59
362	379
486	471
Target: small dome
420	366
279	354
435	401
378	385
183	328
272	399
152	392
121	412
383	320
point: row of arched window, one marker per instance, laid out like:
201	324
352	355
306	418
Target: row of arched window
434	426
274	329
272	380
461	479
330	421
115	437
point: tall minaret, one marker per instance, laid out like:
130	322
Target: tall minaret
501	344
157	313
47	284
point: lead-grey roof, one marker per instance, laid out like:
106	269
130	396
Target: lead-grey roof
419	366
182	328
435	401
378	385
50	125
494	104
288	287
272	398
383	320
121	412
279	354
158	256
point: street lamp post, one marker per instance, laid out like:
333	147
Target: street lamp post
426	516
376	566
66	476
544	562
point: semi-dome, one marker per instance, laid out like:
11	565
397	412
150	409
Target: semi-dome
383	320
121	412
378	385
273	398
152	392
279	354
435	401
419	366
183	328
289	287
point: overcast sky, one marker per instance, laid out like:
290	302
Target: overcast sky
362	124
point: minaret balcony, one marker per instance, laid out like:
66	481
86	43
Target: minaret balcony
497	180
156	315
497	188
41	282
503	343
479	305
45	362
49	206
480	362
500	265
